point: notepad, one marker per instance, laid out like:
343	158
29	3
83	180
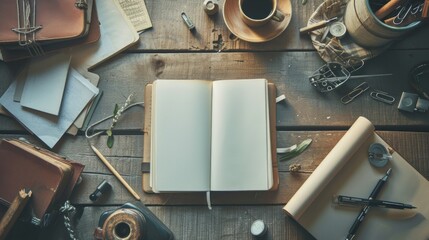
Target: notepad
45	82
47	127
210	136
347	171
116	34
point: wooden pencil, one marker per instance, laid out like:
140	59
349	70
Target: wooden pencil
116	173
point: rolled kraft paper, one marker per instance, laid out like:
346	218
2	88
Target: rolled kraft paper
366	29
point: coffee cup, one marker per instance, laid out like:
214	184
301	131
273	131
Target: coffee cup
259	12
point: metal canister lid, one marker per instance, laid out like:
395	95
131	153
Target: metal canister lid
378	155
337	29
258	229
211	7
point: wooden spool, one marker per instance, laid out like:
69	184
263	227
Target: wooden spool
366	29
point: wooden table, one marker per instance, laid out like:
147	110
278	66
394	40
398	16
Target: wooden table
171	51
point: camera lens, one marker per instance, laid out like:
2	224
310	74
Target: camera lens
122	230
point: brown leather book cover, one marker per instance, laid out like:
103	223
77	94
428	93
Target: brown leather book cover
13	54
50	20
147	136
50	177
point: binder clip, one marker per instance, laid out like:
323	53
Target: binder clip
188	22
410	102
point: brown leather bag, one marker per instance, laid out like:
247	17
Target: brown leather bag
27	21
50	177
93	35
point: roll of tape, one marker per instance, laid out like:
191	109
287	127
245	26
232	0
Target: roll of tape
338	29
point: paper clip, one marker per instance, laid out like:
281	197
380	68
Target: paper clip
355	93
382	97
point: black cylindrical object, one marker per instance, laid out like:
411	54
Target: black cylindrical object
102	188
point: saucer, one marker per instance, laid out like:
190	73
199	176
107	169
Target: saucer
235	24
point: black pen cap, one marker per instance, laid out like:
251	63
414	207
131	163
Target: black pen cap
102	188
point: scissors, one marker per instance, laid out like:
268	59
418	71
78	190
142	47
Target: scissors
332	75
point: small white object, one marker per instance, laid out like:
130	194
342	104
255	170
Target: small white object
211	7
208	199
258	228
338	29
280	98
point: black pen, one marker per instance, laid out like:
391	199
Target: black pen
353	229
347	200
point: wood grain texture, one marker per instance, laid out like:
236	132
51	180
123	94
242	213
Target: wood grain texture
170	50
230	221
126	157
223	222
170	33
305	108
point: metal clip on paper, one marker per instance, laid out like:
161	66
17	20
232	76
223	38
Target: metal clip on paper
27	27
349	97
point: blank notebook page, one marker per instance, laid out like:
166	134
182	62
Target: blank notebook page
181	123
241	156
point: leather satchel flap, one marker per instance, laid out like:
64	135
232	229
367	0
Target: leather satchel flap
42	20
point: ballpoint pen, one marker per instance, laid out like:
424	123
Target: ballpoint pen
353	229
347	200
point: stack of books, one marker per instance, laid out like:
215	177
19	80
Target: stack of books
50	177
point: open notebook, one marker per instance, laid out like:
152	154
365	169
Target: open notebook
209	136
347	171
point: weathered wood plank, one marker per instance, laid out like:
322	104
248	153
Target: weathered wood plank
304	108
126	157
222	222
169	33
127	152
289	184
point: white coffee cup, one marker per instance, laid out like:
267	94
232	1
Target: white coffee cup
259	12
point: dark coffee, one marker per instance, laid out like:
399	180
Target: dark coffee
257	9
